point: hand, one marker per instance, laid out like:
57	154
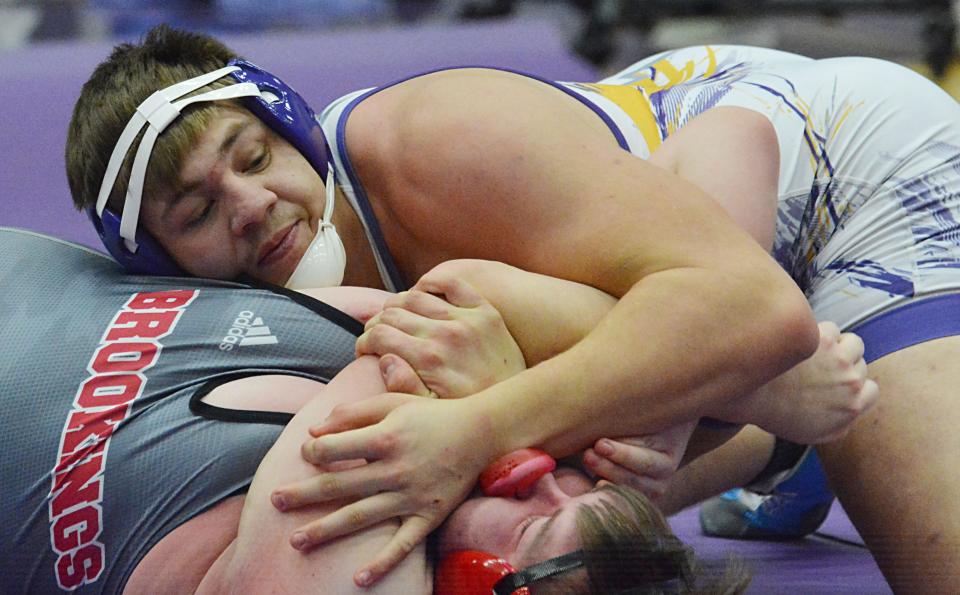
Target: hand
818	400
645	463
424	457
457	347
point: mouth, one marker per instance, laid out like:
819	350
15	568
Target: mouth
278	246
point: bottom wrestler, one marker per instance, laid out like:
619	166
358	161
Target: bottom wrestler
150	418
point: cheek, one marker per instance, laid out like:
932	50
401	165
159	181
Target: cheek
205	257
481	524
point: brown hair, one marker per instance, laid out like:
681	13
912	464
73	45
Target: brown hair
110	97
628	547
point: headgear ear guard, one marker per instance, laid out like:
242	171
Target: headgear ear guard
515	473
276	104
472	572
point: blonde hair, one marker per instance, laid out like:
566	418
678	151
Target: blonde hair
628	547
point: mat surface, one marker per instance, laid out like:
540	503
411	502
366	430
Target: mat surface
831	561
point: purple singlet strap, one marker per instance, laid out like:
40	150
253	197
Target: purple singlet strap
911	324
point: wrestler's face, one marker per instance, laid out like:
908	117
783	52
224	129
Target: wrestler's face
248	203
524	531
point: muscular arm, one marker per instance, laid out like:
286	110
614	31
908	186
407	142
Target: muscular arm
731	151
261	558
508	170
504	168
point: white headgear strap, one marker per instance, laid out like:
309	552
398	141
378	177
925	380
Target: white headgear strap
325	260
157	112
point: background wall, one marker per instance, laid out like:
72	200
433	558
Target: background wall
326	48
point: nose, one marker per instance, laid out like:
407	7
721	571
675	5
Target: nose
545	491
249	203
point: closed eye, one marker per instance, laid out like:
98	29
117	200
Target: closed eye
259	162
526	525
199	218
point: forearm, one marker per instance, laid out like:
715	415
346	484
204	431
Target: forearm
679	344
753	407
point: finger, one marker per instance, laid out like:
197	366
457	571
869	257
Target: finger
422	303
422	354
457	291
346	520
350	416
861	369
402	319
409	322
638	460
368	443
412	531
870	394
851	346
829	332
384	338
602	467
372	321
399	377
360	482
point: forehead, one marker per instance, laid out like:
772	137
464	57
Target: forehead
202	153
223	122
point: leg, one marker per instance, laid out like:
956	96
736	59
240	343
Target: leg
896	473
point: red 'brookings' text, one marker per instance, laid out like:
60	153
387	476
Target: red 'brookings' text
129	347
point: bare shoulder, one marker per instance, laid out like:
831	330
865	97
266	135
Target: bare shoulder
455	158
458	108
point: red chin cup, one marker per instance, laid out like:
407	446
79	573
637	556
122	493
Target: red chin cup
471	572
514	474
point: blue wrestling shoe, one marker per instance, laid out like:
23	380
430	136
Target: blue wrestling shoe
796	506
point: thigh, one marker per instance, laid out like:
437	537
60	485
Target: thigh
896	473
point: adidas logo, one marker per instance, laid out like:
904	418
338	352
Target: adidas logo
247	329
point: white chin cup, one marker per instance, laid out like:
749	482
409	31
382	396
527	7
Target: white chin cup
325	260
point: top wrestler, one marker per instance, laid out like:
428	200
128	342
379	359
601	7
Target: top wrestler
506	167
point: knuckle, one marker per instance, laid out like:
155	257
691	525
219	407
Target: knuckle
450	333
397	300
329	484
405	546
356	518
377	335
310	450
384	442
388	316
430	358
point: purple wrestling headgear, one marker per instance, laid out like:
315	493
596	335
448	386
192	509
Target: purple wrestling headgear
268	98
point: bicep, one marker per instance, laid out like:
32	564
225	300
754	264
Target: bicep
731	153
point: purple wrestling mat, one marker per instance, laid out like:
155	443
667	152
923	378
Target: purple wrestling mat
39	84
833	560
